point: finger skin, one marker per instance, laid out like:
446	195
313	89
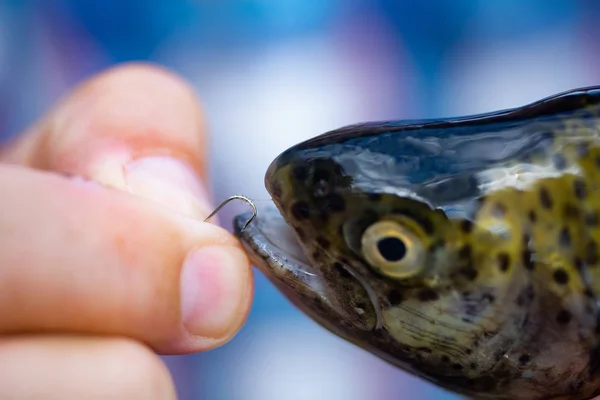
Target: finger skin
127	112
115	120
55	367
78	257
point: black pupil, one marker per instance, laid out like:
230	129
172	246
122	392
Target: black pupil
391	248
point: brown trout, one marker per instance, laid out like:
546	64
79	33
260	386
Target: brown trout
462	250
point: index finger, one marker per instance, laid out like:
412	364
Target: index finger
83	259
136	127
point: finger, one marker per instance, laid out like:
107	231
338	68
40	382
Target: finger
55	367
136	127
78	257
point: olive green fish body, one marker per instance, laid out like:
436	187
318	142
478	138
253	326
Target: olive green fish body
465	251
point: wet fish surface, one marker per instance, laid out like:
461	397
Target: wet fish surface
462	250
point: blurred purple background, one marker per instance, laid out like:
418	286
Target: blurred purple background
274	72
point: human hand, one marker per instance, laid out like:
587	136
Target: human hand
99	275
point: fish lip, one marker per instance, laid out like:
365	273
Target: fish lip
274	249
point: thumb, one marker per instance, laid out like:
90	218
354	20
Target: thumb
88	259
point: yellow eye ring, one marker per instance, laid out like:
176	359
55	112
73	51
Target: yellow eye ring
392	249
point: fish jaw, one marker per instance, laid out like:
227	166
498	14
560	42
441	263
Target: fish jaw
274	250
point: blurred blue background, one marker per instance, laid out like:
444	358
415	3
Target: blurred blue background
274	72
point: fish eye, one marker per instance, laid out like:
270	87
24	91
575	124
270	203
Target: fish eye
392	249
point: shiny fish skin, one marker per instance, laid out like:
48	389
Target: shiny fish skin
464	251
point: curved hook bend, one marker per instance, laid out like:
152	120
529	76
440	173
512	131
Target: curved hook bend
236	197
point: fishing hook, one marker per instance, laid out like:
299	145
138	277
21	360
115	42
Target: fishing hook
236	197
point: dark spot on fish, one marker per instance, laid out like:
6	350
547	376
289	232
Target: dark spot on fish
524	359
578	262
532	216
591	253
469	272
597	161
527	259
335	202
503	261
526	296
374	196
466	226
300	173
563	317
529	292
564	237
499	354
545	198
316	255
320	175
445	359
300	210
465	252
473	309
361	305
468	351
457	367
425	350
589	293
576	386
473	365
559	161
322	242
579	188
343	272
489	334
571	211
427	294
395	297
560	276
592	218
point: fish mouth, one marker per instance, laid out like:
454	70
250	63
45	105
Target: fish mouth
274	249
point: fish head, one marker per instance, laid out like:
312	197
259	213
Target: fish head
359	230
417	241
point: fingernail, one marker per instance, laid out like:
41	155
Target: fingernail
170	182
214	282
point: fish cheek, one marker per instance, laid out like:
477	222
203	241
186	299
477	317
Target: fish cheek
349	299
